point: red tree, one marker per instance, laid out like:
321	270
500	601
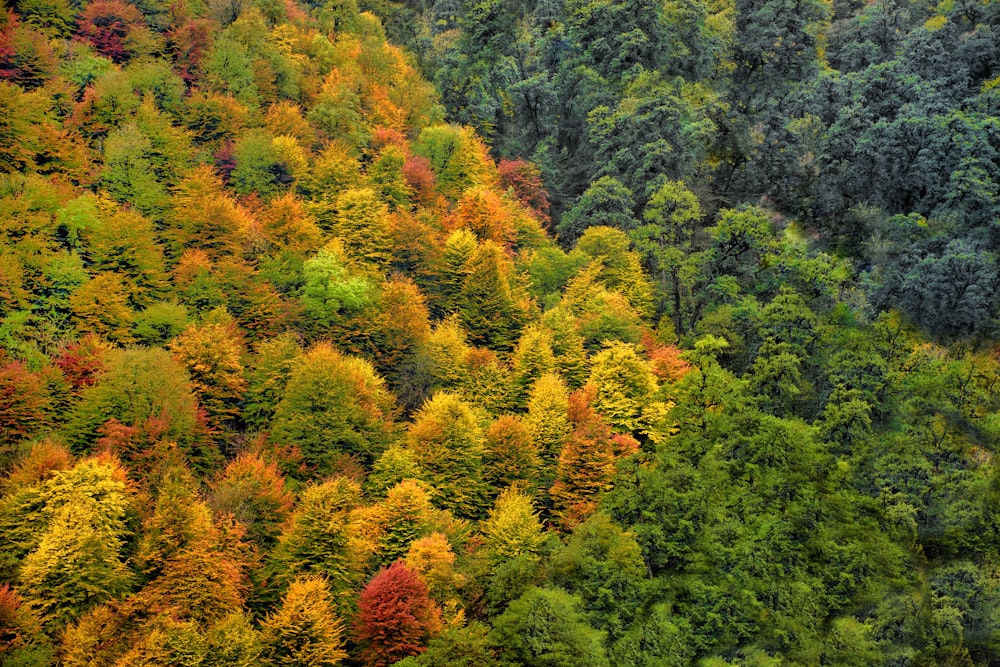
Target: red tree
24	403
525	179
107	24
82	362
396	617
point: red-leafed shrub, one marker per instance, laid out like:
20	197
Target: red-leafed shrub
81	362
396	617
188	44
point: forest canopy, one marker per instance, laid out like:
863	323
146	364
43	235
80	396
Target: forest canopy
468	332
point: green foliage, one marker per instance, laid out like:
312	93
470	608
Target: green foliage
448	441
605	203
333	405
758	398
137	385
545	627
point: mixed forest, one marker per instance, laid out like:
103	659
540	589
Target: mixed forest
469	333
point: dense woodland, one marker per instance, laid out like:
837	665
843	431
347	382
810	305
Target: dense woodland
480	333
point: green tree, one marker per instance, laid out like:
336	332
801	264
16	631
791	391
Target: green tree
334	405
317	541
489	303
605	203
545	627
666	241
448	443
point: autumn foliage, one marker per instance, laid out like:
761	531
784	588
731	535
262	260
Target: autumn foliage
396	617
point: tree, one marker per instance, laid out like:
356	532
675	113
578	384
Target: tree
289	225
203	216
620	267
303	632
362	221
489	304
524	179
139	384
113	27
211	353
432	558
78	562
603	564
267	378
332	292
258	168
512	528
624	385
334	405
605	203
586	467
402	517
396	618
448	443
128	171
666	241
100	306
317	541
253	492
547	418
545	628
458	158
511	453
533	357
24	405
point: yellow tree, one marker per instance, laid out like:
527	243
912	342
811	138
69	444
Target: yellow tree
211	353
547	419
304	631
513	528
